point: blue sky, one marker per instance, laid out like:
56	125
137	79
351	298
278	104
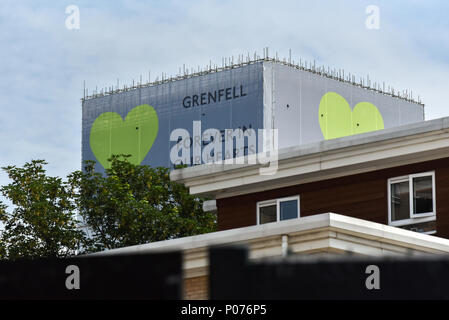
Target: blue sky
43	64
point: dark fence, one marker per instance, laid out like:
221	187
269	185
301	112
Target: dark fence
149	276
233	276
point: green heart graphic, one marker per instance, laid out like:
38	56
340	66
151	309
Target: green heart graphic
338	120
111	135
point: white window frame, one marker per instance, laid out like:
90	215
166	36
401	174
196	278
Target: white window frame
414	218
277	202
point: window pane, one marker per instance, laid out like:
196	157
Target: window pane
422	195
400	201
289	209
267	214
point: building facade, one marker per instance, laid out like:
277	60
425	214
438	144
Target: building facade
397	177
356	169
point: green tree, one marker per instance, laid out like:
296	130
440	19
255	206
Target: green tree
2	250
41	223
135	204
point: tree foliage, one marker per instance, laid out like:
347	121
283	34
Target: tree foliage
127	205
134	204
41	223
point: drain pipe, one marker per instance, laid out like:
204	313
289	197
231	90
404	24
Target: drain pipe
284	246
